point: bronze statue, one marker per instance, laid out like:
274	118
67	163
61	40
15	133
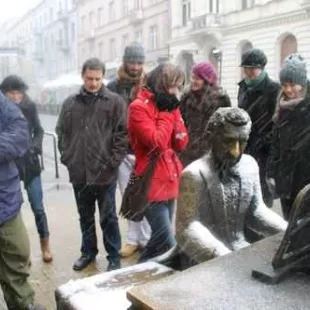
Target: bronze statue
221	195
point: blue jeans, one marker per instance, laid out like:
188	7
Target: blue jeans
159	215
35	197
86	197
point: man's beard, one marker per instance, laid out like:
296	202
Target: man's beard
134	74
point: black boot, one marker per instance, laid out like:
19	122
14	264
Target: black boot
83	262
114	265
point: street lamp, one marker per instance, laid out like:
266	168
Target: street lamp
217	53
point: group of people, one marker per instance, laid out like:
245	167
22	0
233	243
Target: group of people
145	128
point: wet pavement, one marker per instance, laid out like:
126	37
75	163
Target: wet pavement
64	229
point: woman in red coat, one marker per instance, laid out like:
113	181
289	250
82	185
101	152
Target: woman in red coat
156	126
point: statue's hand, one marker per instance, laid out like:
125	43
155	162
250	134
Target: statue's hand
221	250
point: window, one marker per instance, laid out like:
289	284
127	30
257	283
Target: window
72	32
288	46
125	7
91	20
51	15
100	17
245	4
138	36
111	10
153	38
83	22
214	6
186	11
138	4
100	50
125	40
112	49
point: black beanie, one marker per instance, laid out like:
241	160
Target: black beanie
254	58
13	82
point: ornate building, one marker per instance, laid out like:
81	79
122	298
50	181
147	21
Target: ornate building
46	39
106	27
222	30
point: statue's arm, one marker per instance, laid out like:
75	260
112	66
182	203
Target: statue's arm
192	236
262	219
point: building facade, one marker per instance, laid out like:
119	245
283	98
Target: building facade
106	27
221	31
46	37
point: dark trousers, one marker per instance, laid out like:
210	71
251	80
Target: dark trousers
35	197
159	215
86	197
15	264
267	192
286	205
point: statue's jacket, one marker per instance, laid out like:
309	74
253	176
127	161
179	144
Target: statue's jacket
213	210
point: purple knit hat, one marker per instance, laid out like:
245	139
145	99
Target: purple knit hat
206	71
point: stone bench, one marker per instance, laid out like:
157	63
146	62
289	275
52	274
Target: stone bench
107	290
226	283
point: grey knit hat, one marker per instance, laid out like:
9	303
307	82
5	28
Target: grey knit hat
294	70
134	53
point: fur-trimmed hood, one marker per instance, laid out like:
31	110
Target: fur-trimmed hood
291	104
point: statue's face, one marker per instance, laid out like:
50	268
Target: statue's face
229	144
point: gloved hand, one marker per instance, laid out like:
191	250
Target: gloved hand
166	102
35	150
271	185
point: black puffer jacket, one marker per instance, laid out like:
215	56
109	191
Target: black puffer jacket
260	103
29	165
196	111
289	161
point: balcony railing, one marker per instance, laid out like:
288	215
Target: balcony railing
136	16
305	3
37	31
205	21
38	56
63	45
62	15
90	35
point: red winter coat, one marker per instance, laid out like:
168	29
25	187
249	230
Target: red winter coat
164	132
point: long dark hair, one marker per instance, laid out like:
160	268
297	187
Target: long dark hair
163	77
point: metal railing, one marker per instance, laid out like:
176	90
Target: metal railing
54	136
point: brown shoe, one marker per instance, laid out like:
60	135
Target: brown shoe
128	250
47	256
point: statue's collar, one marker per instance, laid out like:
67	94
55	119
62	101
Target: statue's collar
230	172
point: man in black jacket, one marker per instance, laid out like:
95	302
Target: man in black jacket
93	142
258	96
29	168
128	80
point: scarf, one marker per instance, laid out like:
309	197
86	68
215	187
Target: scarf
123	77
287	104
252	83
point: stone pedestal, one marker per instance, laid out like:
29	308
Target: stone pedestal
107	290
226	283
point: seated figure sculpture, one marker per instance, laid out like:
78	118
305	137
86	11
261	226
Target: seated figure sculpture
220	195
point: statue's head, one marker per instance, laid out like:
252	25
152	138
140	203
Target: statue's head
228	133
